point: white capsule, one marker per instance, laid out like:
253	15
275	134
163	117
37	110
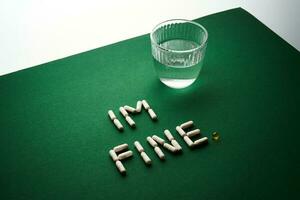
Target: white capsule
146	158
180	131
120	167
145	104
186	124
158	139
151	142
138	106
160	154
118	124
176	145
170	147
130	121
188	141
129	109
123	111
193	133
138	146
113	155
168	135
112	115
152	114
120	147
200	141
125	155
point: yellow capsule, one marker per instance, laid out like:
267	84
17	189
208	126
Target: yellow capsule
215	136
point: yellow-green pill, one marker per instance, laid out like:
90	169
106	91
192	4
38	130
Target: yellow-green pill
215	136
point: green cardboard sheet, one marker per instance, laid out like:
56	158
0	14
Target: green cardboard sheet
55	133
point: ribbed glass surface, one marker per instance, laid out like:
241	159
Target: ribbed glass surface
178	49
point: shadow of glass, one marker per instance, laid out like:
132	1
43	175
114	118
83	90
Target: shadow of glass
199	96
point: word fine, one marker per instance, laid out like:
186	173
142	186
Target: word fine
121	152
124	111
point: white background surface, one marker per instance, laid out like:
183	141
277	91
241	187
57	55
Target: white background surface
38	31
282	16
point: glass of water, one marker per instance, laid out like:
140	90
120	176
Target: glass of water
178	49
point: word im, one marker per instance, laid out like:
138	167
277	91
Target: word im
124	111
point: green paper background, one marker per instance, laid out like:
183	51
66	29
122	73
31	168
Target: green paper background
55	133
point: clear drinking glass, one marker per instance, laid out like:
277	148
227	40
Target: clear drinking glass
178	48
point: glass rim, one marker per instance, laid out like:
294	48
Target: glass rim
179	51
